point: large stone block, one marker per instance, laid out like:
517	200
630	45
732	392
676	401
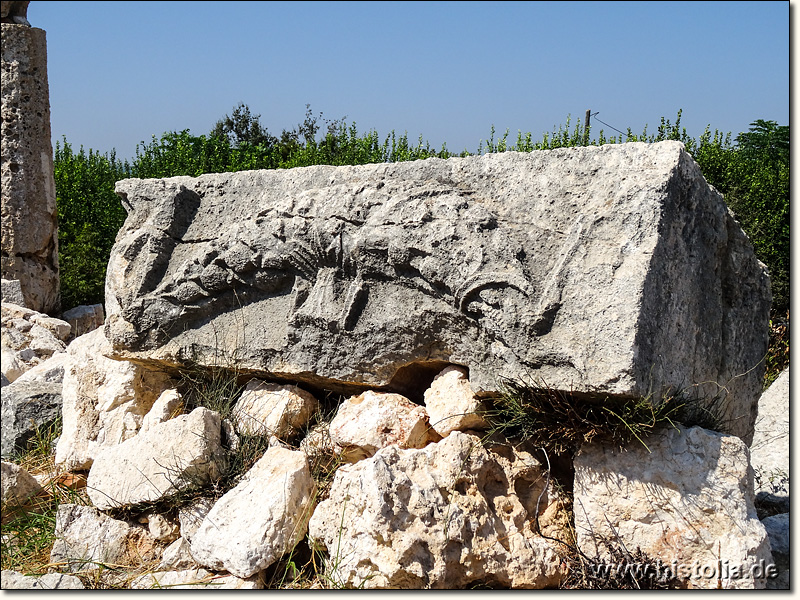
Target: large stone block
614	270
686	499
29	222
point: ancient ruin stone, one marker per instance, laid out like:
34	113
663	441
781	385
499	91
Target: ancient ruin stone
451	403
613	270
373	420
87	539
195	579
687	497
260	519
84	318
105	400
17	484
12	580
172	456
29	222
450	515
272	409
29	338
27	407
769	452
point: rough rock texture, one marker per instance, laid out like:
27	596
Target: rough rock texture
29	222
17	484
48	371
84	318
177	557
689	499
85	537
449	515
26	407
451	403
769	452
272	409
191	516
166	406
29	338
160	462
615	269
260	519
365	423
195	579
777	528
12	292
12	580
105	400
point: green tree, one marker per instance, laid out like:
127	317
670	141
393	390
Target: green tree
242	127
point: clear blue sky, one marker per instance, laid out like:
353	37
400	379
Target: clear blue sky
121	72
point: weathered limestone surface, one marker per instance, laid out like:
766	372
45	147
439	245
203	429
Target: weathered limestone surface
87	538
615	269
451	403
777	527
373	420
769	452
29	222
690	498
260	519
160	462
444	516
195	579
17	484
84	318
272	409
26	407
12	580
105	400
28	338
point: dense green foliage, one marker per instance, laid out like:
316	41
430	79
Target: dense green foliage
752	173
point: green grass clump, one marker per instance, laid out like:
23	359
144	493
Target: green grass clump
560	422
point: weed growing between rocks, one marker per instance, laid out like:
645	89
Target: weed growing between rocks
28	530
560	422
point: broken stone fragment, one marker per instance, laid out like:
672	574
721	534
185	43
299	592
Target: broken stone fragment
260	519
105	400
182	453
451	403
365	423
17	484
687	497
271	409
87	539
450	515
195	579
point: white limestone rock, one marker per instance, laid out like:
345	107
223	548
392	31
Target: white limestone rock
167	406
177	557
690	498
17	484
172	456
48	371
451	403
105	400
260	519
84	318
373	420
28	338
450	515
271	409
195	579
13	580
191	515
87	539
769	452
777	527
